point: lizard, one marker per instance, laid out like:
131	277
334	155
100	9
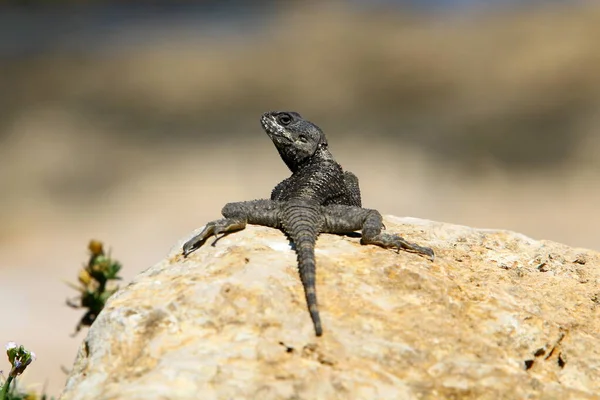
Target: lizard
319	197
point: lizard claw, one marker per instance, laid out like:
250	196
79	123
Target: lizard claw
395	241
197	241
190	247
220	227
429	253
217	237
415	248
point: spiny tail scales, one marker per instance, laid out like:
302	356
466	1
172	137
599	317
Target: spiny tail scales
302	222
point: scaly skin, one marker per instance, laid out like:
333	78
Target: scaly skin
319	197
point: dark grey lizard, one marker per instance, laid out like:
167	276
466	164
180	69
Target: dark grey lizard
319	197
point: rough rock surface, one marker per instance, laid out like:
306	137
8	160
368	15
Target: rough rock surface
496	316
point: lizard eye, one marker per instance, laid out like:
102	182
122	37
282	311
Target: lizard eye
284	119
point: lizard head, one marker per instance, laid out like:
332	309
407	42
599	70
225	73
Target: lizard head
296	139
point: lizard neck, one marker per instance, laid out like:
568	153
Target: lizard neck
322	156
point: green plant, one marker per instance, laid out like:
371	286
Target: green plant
94	284
19	359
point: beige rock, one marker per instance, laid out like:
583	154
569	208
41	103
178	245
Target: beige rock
497	316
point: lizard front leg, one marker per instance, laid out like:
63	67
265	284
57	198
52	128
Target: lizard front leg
346	219
237	215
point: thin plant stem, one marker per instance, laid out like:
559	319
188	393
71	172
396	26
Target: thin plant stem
5	387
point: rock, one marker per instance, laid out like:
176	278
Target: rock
497	316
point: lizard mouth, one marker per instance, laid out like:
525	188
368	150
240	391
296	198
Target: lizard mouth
273	129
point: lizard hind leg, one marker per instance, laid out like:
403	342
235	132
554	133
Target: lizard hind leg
345	219
371	234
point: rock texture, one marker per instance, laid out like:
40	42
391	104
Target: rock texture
497	316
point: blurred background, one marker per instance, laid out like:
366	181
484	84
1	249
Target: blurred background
135	122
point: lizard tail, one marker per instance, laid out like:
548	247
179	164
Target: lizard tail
301	223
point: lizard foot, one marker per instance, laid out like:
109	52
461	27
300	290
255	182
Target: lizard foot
213	228
387	241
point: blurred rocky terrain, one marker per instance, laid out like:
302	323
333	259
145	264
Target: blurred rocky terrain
136	127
